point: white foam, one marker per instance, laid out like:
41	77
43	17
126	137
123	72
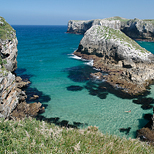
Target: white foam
75	57
90	63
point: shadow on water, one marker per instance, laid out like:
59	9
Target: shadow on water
63	123
32	91
95	87
22	73
80	73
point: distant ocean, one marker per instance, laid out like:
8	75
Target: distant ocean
62	81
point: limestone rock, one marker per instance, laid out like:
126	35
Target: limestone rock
24	110
129	66
139	29
8	46
108	42
134	28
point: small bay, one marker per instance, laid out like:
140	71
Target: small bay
45	57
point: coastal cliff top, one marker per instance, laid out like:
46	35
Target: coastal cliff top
98	33
6	31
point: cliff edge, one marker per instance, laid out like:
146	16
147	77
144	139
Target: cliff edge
12	97
134	28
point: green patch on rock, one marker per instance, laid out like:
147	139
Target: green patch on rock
123	20
109	33
6	31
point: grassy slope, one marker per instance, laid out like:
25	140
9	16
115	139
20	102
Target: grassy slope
32	136
6	30
109	33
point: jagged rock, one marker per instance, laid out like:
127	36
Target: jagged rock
134	28
81	26
129	66
20	83
145	134
139	29
24	110
34	97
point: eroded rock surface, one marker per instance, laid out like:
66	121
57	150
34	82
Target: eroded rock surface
129	66
12	97
134	28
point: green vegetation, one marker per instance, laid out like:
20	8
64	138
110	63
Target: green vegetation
149	20
109	33
6	30
32	136
123	20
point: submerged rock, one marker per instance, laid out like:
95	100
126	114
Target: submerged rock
74	88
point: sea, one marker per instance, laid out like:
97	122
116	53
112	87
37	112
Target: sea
62	80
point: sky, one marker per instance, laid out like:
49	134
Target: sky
59	12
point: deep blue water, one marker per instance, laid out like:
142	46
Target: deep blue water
44	56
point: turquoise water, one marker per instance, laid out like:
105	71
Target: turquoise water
44	56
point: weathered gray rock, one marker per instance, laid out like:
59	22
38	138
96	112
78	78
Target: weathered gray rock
108	42
81	26
134	28
8	93
112	51
139	29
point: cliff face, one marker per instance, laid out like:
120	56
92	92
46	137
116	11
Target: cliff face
81	26
134	28
8	54
139	29
12	98
129	66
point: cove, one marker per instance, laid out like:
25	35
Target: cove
44	56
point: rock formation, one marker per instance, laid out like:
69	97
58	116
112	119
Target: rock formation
134	28
11	94
129	66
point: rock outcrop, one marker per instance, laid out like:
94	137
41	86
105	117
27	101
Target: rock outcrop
129	66
12	97
134	28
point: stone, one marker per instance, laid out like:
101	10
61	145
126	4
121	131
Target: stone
25	110
34	97
134	28
129	66
145	134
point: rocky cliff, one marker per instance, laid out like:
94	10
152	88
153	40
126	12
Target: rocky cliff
129	66
134	28
11	94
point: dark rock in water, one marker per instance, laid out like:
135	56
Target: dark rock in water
25	110
145	134
126	130
74	88
146	106
148	116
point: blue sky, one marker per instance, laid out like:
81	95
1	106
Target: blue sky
59	12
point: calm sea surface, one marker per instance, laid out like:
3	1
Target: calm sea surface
44	56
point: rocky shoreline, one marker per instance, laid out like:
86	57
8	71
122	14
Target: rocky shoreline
12	97
129	68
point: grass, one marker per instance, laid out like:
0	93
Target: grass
6	31
109	33
32	136
149	20
123	20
